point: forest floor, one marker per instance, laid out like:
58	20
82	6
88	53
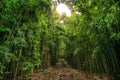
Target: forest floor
62	71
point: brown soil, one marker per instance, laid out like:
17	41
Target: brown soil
62	71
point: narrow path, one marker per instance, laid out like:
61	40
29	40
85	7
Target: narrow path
62	71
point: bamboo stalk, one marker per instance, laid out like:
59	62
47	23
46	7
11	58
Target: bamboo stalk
17	65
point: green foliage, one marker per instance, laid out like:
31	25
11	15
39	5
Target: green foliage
46	72
21	26
32	37
95	39
27	67
5	57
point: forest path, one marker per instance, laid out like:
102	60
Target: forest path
62	71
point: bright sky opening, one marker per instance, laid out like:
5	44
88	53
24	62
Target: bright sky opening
62	8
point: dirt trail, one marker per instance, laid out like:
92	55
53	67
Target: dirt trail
62	71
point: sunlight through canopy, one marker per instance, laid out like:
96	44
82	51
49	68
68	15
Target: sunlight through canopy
62	8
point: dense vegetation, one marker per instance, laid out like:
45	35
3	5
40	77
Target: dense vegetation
32	37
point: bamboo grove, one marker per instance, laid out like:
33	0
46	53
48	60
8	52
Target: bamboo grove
32	37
